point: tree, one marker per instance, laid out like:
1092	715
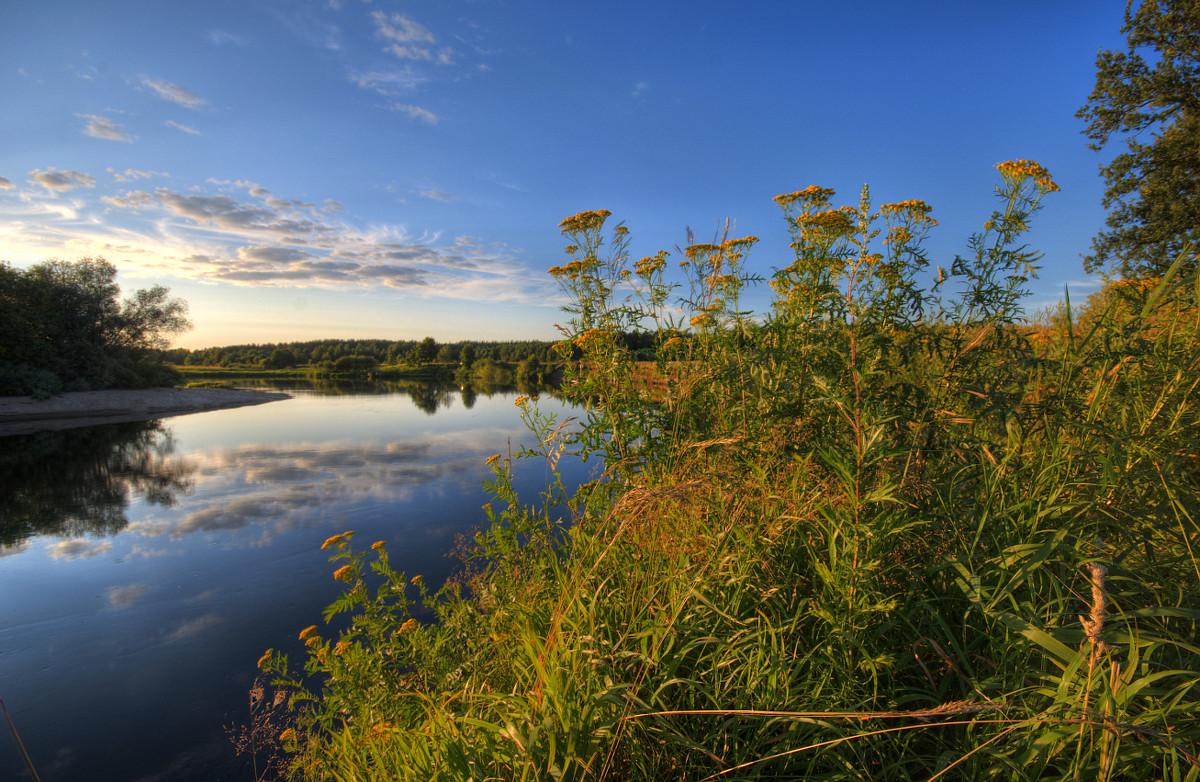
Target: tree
1150	96
424	352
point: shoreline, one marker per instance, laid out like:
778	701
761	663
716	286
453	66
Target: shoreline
25	415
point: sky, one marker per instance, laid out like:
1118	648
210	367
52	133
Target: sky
307	169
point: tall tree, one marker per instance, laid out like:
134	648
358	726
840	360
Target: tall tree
1149	95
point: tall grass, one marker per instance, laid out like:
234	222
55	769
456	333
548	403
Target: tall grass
882	531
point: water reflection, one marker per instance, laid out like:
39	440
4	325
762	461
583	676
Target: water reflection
74	482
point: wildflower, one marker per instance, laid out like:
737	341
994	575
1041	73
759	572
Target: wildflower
266	656
311	630
493	459
584	221
336	540
341	647
487	506
311	642
288	735
417	579
672	342
521	400
410	624
344	572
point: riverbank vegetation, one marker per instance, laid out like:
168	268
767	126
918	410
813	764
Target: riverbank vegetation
66	329
883	531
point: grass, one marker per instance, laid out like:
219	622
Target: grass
879	533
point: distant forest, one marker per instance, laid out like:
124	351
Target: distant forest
326	353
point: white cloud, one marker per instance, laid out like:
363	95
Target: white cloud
174	93
132	173
185	128
436	195
60	181
415	112
103	127
400	29
6	184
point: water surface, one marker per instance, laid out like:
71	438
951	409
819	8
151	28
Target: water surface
145	567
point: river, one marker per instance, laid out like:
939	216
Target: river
145	567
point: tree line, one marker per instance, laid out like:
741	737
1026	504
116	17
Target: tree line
66	328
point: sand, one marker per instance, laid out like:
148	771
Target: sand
22	414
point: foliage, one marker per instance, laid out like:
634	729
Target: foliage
1149	95
881	532
66	330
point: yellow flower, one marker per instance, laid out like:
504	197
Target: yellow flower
672	342
266	656
308	631
313	641
584	221
341	647
417	579
288	735
378	545
520	400
493	459
336	540
410	624
344	572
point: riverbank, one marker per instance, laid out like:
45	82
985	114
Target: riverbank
23	414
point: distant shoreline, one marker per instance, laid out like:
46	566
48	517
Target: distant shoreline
24	415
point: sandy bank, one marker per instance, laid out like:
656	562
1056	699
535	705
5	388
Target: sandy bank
22	414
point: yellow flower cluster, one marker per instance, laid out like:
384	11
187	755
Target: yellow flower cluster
590	337
409	624
672	342
695	251
571	269
266	656
584	221
811	195
519	401
914	208
308	632
834	221
651	264
344	573
378	545
1015	170
336	540
341	647
493	459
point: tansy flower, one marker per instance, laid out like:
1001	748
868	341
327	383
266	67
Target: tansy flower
493	459
343	573
520	400
410	624
336	539
308	631
378	545
417	579
313	641
266	656
341	647
288	735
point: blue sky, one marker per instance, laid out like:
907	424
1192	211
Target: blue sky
299	169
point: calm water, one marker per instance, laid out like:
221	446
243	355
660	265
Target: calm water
145	567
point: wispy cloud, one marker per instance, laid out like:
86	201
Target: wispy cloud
103	127
405	36
390	83
415	112
436	195
5	184
185	128
241	233
61	181
173	92
226	38
132	173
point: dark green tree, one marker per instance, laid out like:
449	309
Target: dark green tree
424	352
1149	95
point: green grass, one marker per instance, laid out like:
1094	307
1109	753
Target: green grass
879	533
